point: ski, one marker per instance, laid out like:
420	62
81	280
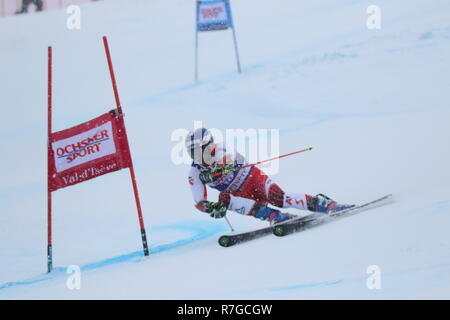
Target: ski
296	224
229	240
232	239
300	224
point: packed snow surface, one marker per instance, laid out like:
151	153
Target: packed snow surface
374	104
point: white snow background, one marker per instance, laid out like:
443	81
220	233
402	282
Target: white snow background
374	104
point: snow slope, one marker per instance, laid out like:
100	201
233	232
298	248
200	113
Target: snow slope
374	104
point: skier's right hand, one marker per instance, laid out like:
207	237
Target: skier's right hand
216	210
214	173
206	176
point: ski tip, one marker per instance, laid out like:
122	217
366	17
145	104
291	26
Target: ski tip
278	231
224	241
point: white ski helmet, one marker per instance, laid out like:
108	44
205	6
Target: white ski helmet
200	138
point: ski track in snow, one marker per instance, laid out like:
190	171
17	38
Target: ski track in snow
200	230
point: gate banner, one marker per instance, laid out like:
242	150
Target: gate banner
88	150
213	15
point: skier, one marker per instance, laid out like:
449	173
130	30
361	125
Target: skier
247	191
26	3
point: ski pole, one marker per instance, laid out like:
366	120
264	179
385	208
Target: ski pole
259	162
229	224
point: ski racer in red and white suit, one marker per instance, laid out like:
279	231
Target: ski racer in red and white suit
247	191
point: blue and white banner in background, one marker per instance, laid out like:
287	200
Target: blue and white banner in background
214	15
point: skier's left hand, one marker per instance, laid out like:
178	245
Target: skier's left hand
216	210
214	173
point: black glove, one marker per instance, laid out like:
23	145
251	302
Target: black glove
216	210
214	173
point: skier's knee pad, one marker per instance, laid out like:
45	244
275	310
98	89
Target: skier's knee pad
275	195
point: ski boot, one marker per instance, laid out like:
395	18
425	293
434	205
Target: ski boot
274	216
321	203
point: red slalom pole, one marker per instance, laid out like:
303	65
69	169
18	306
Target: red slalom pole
49	193
111	73
133	177
263	161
